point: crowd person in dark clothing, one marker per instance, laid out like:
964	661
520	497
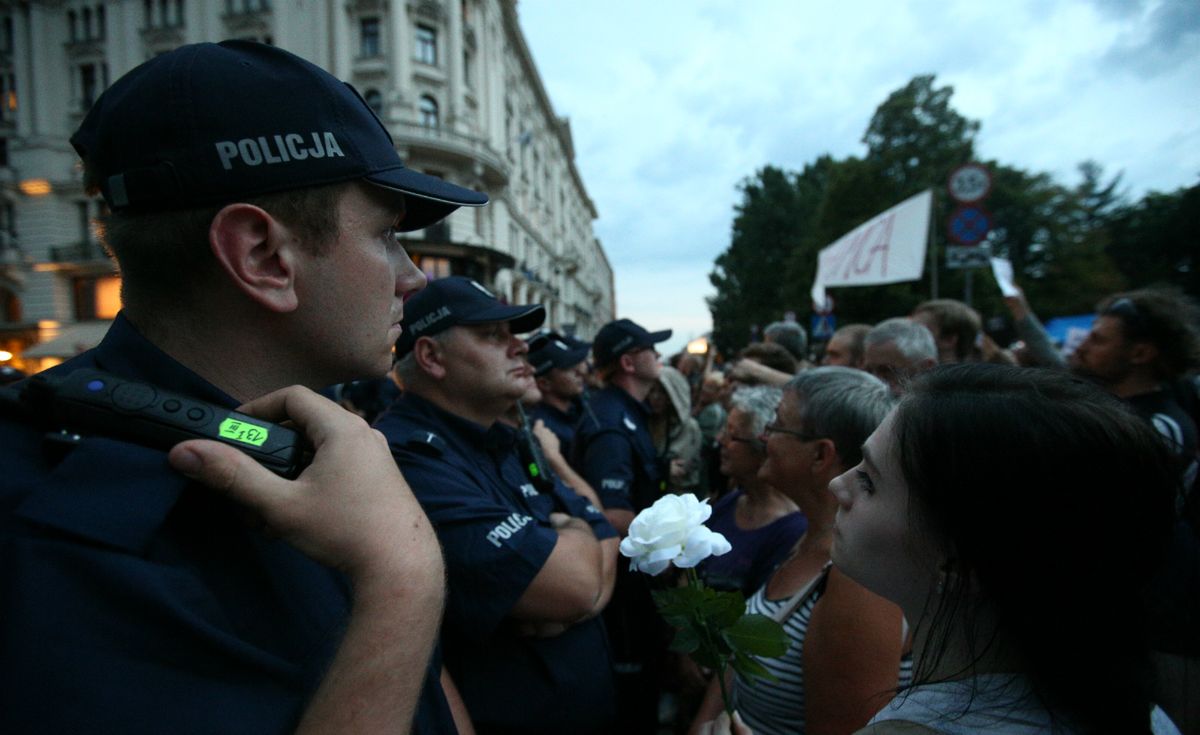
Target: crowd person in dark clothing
760	522
1141	344
789	335
134	600
896	350
845	347
955	328
528	569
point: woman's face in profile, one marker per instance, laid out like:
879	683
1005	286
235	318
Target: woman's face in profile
874	541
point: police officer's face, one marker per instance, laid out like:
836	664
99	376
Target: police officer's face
351	297
565	382
645	364
486	364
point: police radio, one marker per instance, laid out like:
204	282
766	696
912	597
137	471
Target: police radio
92	402
533	460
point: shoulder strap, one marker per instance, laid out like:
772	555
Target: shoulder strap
791	605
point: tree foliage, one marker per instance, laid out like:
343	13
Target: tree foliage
1069	244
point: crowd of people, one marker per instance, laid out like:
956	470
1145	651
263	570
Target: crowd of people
955	536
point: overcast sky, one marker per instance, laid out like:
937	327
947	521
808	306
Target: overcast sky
673	102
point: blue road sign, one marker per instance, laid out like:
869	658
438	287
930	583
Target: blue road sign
823	326
969	225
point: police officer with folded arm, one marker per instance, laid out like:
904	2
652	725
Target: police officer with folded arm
254	205
528	571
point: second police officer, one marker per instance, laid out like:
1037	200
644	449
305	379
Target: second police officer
528	572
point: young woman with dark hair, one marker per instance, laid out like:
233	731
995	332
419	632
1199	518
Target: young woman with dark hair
1016	516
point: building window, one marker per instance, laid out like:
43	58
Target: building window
3	152
11	306
73	25
88	85
163	13
369	37
427	45
237	7
374	100
6	35
468	72
8	96
97	297
433	267
429	112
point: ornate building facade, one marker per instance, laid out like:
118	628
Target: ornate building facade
453	80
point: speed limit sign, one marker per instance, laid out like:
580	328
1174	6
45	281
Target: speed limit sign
969	183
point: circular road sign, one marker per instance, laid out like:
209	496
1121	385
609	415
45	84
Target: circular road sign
969	183
968	225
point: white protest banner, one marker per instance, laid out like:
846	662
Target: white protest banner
888	248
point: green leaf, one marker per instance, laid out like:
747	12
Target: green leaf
678	600
757	634
723	609
685	641
749	668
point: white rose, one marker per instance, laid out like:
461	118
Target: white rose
672	531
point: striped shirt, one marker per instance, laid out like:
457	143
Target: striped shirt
777	707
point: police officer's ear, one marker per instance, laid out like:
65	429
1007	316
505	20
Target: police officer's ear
1143	353
430	357
626	362
257	253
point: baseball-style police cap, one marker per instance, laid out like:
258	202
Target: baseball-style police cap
617	338
449	302
210	123
550	350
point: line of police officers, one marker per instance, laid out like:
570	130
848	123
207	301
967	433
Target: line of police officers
190	590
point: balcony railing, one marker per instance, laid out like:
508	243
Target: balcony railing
444	140
86	252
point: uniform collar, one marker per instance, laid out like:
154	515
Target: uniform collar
125	351
629	402
488	439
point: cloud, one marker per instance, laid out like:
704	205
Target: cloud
673	103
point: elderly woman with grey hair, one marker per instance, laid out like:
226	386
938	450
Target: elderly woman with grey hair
846	645
761	523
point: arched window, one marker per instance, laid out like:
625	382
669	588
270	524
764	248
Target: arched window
429	112
374	100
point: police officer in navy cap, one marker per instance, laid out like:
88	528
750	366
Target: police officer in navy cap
254	202
528	571
615	454
560	368
614	449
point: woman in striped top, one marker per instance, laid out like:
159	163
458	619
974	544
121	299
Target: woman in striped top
844	658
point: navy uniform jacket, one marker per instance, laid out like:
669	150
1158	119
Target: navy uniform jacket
132	601
562	424
614	451
496	536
